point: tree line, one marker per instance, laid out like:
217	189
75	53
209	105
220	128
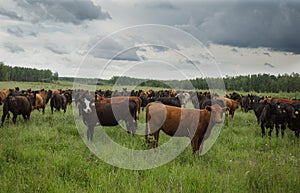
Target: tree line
8	73
254	82
248	83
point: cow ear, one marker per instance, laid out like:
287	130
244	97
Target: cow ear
208	108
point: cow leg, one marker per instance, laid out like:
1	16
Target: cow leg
277	130
14	119
263	133
51	109
283	126
3	117
270	131
156	137
43	109
195	142
297	133
90	133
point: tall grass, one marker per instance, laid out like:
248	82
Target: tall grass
47	154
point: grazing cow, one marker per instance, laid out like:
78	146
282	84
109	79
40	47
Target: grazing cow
184	98
18	105
107	114
193	123
58	102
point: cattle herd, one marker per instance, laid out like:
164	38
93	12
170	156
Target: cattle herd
166	110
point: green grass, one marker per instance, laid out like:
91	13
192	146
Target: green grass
47	154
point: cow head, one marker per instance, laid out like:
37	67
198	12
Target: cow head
87	104
216	113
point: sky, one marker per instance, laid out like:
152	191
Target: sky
151	39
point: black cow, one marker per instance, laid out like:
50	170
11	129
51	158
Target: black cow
18	105
268	116
172	101
245	103
107	114
285	114
58	102
68	95
294	124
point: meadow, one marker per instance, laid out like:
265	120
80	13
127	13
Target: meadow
47	154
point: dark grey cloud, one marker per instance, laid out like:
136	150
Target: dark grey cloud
56	50
234	50
10	14
112	49
161	5
159	48
253	24
13	48
17	31
269	65
64	11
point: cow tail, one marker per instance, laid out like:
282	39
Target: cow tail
263	115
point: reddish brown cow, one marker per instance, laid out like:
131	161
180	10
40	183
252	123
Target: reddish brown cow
282	100
39	100
136	99
193	123
231	105
3	95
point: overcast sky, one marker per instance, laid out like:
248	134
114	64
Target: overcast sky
96	38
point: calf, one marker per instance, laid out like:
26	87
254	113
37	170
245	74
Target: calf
193	123
18	105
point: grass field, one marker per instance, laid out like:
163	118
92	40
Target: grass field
47	154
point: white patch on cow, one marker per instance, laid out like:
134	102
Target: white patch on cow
87	108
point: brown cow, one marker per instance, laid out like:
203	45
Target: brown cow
232	105
3	95
18	105
174	121
136	99
38	100
282	100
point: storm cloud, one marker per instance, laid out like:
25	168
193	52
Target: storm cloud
253	24
64	11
